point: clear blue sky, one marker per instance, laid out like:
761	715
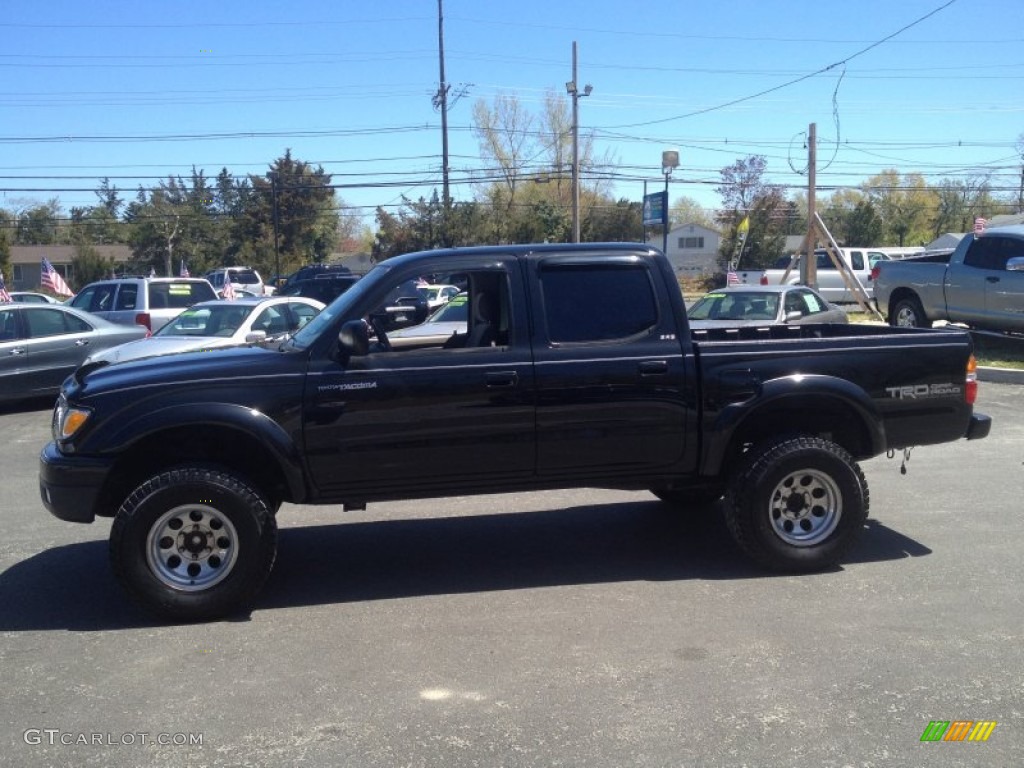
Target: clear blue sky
945	97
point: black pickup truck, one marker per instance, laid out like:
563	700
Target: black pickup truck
575	367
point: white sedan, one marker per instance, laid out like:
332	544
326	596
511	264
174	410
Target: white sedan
221	323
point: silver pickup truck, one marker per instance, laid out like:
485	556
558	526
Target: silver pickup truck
830	283
980	284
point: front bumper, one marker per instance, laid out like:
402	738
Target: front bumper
979	426
70	485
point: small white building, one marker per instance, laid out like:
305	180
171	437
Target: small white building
692	249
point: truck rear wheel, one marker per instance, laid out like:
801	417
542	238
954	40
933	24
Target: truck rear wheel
193	543
908	313
797	504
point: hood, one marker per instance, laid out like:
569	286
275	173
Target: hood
160	345
192	369
429	329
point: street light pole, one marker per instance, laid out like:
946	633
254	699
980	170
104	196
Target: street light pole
669	160
574	93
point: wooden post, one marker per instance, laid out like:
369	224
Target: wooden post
809	265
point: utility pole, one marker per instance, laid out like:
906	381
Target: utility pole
273	198
575	153
575	95
808	264
441	100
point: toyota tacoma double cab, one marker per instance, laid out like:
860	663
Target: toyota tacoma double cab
575	368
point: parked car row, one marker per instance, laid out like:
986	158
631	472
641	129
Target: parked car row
118	319
41	344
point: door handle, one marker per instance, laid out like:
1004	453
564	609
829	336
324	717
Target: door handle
81	342
991	279
501	378
654	367
17	351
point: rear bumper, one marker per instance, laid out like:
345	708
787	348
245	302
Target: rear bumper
69	486
979	426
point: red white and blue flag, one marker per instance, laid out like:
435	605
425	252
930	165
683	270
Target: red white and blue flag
731	278
228	291
51	279
4	295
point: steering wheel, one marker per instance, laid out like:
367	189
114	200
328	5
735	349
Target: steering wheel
378	331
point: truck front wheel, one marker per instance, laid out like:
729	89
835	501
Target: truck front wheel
193	543
797	504
908	313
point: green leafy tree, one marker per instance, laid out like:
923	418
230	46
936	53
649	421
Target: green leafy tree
39	224
615	221
863	225
7	225
156	226
307	227
88	265
686	210
903	205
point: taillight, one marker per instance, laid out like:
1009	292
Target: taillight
874	272
142	318
763	280
971	388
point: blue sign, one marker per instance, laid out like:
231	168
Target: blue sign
656	209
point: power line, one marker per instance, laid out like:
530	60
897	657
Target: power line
849	58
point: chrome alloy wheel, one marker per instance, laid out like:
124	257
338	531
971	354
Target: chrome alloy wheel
906	317
805	508
192	547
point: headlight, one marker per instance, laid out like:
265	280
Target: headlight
67	419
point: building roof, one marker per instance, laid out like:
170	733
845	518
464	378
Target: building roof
63	254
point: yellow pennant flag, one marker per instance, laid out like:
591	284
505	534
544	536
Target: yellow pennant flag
744	226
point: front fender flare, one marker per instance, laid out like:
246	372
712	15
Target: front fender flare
248	420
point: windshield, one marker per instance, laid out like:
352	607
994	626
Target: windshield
735	305
243	276
219	320
309	332
455	311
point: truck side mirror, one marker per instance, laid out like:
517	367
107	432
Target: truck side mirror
354	339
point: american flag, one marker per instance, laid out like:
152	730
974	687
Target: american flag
731	278
184	269
979	226
228	291
4	295
51	279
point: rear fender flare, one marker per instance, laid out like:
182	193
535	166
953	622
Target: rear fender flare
802	392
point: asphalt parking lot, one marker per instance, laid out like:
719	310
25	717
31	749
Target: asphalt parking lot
582	628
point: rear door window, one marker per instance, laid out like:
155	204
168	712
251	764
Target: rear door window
597	302
128	296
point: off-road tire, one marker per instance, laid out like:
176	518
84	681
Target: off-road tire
797	504
193	543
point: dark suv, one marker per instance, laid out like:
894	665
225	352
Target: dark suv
325	287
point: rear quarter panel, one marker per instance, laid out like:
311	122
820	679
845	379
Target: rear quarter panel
906	386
